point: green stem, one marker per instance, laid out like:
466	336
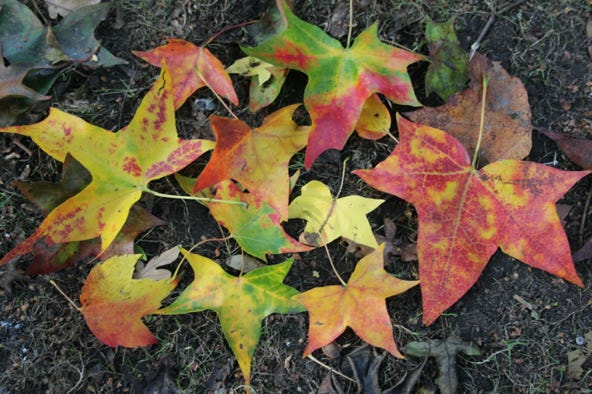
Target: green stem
194	198
481	123
351	22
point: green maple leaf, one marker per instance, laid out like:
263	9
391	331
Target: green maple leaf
241	302
121	164
340	79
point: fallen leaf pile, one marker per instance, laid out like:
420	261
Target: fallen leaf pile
257	186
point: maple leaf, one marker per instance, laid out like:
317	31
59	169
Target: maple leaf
48	195
121	164
465	214
241	302
257	158
328	218
360	305
192	67
113	303
257	228
11	82
507	129
577	149
25	39
266	83
339	79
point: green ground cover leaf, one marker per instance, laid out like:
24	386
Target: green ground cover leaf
448	71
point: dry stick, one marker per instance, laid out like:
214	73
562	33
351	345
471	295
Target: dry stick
212	38
477	43
65	295
322	364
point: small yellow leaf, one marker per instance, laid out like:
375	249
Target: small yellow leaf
328	218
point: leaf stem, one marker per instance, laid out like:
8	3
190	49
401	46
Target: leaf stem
481	123
343	283
65	295
200	75
351	22
195	198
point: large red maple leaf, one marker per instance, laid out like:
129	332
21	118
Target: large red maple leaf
465	214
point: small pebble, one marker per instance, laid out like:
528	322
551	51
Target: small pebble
203	105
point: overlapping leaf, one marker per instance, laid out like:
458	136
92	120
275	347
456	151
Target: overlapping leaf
448	71
340	79
360	305
266	82
257	158
328	219
121	164
257	227
192	67
113	303
25	39
507	129
240	302
465	214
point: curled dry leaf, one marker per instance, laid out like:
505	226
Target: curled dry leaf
152	268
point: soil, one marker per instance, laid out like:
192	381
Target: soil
528	324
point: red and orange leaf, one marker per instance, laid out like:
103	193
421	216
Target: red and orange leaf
507	131
191	67
113	303
339	79
257	158
257	227
48	195
121	164
466	214
241	302
360	305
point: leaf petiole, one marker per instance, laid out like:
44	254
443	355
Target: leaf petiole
195	198
481	123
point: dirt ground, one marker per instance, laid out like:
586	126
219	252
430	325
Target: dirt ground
525	322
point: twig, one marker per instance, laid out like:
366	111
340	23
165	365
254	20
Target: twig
586	208
322	364
490	21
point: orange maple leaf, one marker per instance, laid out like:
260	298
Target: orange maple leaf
192	67
360	305
113	303
465	213
257	158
